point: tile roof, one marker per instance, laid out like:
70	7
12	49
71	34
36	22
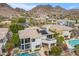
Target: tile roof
29	33
61	27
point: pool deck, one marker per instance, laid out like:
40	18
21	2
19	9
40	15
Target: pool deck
69	46
42	52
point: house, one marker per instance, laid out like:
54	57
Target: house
41	20
3	38
33	38
76	26
47	38
63	30
29	39
76	30
65	22
51	20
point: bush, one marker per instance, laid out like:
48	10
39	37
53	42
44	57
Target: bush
9	45
18	20
16	51
77	50
21	20
56	51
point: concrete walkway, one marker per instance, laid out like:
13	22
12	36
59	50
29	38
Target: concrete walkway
42	52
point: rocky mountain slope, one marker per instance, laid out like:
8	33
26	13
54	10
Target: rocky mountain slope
42	11
54	12
7	11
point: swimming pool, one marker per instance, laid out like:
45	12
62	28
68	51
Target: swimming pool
27	54
74	42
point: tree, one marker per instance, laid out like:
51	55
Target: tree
56	35
15	27
60	41
9	45
77	50
21	20
56	51
15	39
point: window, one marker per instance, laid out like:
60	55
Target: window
33	40
23	47
27	46
37	46
1	40
27	40
22	41
49	36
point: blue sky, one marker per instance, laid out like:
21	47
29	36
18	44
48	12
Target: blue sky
28	6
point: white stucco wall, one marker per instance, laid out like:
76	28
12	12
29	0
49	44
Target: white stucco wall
66	33
44	37
49	42
37	42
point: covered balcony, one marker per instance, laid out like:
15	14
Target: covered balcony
49	42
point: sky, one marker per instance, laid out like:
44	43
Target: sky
29	6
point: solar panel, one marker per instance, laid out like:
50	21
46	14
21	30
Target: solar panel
43	32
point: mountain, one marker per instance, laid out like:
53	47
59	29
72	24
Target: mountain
7	11
74	13
22	12
41	11
57	12
47	11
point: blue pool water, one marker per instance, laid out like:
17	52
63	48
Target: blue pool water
74	42
26	54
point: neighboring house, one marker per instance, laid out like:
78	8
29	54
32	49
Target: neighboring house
76	30
33	38
63	30
3	38
53	21
66	22
41	20
76	26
